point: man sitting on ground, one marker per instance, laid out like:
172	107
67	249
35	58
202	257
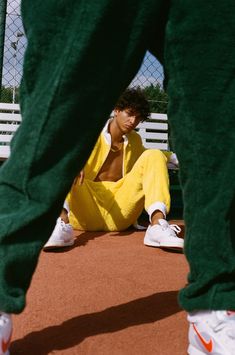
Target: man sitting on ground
119	179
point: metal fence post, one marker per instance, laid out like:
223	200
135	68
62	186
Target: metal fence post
3	11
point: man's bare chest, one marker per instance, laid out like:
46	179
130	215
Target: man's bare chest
111	170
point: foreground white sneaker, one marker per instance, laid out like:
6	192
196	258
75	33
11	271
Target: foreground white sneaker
212	332
164	235
62	236
5	333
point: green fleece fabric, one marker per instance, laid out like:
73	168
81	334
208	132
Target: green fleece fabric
200	66
81	55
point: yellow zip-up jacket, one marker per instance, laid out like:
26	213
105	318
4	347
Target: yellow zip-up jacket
133	148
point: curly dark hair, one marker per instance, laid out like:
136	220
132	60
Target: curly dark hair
134	100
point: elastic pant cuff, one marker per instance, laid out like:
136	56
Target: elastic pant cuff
160	206
66	206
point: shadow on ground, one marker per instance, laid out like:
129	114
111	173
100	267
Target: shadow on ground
73	331
82	238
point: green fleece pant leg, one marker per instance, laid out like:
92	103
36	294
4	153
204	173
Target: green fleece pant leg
76	65
200	65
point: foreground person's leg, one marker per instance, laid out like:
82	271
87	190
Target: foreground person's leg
200	66
75	57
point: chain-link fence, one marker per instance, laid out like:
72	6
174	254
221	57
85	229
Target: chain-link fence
149	77
14	46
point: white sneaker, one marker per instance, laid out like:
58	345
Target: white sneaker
212	332
5	333
164	235
62	236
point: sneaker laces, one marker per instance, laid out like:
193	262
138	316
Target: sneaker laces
4	318
225	322
173	228
65	226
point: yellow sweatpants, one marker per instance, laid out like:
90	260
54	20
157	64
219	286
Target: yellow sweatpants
114	206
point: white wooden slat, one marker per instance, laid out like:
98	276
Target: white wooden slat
8	127
151	145
4	151
159	116
154	135
9	106
5	138
157	124
153	125
15	117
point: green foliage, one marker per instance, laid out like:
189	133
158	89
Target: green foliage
6	95
157	98
155	94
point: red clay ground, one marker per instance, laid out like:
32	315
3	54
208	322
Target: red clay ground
109	294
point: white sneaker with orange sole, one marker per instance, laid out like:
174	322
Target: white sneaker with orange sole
5	333
212	332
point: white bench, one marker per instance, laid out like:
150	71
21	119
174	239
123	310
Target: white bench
10	119
153	132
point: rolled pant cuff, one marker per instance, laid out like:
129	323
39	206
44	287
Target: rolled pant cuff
66	206
156	206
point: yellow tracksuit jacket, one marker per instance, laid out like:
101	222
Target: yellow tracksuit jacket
112	206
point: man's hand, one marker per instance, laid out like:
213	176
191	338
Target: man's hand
79	178
173	162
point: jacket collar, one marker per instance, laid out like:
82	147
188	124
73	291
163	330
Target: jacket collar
107	135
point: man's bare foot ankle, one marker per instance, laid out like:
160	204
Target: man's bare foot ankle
64	216
156	215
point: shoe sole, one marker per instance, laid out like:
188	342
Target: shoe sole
172	249
58	246
193	351
158	245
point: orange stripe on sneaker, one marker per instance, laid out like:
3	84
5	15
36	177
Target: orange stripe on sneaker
5	344
208	345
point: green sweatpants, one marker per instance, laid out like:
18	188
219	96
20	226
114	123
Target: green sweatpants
81	55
